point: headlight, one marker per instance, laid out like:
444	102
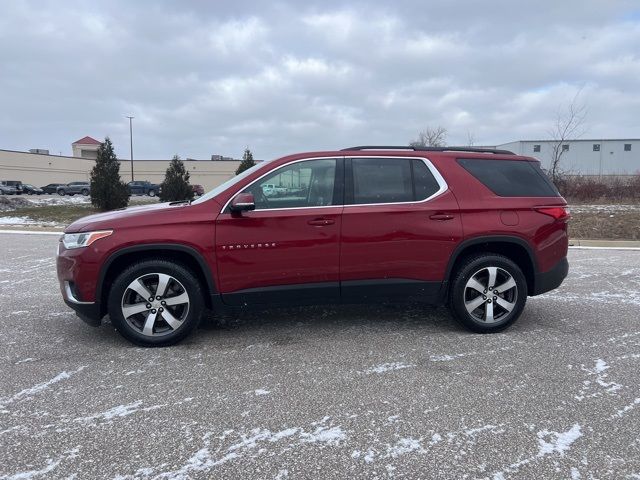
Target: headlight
84	239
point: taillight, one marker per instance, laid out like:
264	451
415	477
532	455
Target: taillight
558	213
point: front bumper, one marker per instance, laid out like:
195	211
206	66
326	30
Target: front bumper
88	312
552	279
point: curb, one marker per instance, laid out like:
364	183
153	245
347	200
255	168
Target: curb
604	243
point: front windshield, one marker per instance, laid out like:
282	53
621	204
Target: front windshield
229	183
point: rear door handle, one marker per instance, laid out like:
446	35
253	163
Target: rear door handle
441	216
321	222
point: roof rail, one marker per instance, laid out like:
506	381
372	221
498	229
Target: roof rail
429	149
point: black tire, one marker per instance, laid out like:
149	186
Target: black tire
186	279
85	192
459	293
61	192
152	193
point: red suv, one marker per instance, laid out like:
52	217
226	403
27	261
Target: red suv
476	229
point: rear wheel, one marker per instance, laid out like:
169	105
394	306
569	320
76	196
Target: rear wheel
85	192
488	293
155	303
61	192
152	193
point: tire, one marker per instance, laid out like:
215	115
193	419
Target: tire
152	193
61	192
164	331
492	312
85	192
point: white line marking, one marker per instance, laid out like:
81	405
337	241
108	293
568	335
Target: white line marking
30	232
605	248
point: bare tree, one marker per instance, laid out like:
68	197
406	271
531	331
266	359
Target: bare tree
569	123
431	137
471	139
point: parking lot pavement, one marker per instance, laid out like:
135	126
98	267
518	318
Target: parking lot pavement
339	392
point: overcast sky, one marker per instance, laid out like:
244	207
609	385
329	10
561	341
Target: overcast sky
281	77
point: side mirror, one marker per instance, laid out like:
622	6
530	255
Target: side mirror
243	202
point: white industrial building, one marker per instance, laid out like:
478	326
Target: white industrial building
585	157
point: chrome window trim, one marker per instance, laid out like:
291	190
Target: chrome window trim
434	171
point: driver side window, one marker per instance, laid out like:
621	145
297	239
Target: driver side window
303	184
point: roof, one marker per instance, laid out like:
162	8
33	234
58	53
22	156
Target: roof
86	141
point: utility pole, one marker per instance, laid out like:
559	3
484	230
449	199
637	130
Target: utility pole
131	143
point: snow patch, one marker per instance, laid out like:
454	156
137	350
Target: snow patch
549	443
118	411
388	367
29	392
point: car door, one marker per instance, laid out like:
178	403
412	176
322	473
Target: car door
400	225
287	249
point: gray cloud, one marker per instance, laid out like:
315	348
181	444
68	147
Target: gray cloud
280	77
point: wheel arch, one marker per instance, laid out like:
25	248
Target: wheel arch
183	254
514	248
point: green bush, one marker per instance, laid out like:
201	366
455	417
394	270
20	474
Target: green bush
108	192
176	187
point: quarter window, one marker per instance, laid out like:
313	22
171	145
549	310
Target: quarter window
303	184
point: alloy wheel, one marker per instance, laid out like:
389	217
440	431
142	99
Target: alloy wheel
490	295
155	304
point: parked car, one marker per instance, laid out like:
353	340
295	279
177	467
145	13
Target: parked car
52	187
72	188
198	190
16	184
476	229
143	187
7	190
31	190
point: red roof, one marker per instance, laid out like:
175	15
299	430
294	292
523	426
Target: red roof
87	141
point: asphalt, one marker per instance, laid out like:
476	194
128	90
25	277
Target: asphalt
339	392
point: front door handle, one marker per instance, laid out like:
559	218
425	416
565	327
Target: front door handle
441	216
321	222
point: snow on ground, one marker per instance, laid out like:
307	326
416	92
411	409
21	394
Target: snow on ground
605	208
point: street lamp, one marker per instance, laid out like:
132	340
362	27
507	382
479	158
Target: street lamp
131	143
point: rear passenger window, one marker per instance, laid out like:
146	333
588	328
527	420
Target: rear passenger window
511	178
391	180
382	180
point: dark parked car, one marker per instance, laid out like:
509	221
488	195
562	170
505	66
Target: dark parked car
31	190
6	189
52	187
74	187
476	229
16	184
143	187
198	189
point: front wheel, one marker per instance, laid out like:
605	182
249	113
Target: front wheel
488	293
152	193
61	192
85	192
155	303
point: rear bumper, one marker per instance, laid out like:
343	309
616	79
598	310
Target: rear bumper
551	279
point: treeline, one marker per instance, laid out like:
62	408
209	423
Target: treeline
590	188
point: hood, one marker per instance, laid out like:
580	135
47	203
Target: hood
127	217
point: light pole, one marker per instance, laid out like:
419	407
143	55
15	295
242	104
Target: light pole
131	143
